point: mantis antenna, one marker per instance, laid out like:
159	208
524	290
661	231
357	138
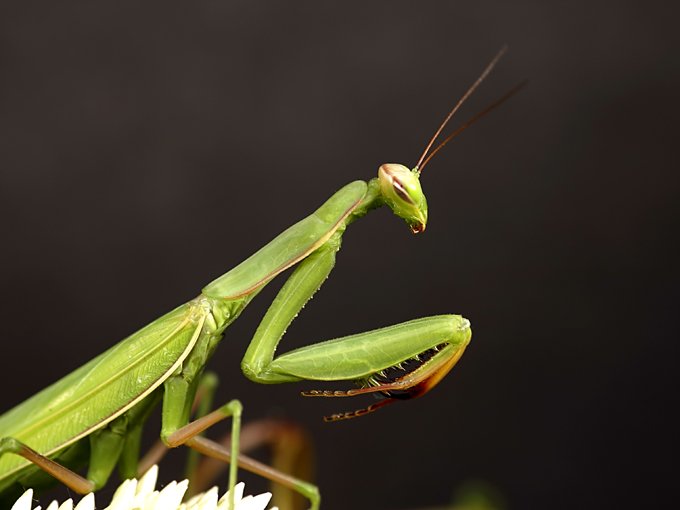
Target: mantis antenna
471	121
423	161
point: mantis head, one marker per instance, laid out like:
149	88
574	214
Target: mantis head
400	188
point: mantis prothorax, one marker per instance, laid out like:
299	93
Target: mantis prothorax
96	413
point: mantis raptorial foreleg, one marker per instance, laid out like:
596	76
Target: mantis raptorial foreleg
357	357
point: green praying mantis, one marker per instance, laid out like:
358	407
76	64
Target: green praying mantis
95	415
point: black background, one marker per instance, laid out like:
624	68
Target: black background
146	148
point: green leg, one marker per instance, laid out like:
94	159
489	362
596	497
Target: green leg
290	447
298	289
203	404
72	480
176	431
361	357
117	442
191	432
129	463
291	453
105	448
217	451
366	358
135	467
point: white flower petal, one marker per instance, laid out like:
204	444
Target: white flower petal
171	495
87	503
124	495
205	501
223	503
254	502
67	505
261	501
24	502
147	483
141	495
148	503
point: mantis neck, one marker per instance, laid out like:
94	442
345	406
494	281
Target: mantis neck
372	200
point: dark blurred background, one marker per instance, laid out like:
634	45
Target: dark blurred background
146	148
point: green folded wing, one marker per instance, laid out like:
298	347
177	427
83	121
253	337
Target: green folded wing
103	388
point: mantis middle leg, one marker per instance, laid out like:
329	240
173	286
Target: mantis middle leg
176	431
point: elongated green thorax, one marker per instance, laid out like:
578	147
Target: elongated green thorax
396	186
289	247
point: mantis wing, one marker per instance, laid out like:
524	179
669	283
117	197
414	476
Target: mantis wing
102	389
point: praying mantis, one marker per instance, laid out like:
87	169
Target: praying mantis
95	415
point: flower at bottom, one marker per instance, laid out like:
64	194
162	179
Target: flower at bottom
141	495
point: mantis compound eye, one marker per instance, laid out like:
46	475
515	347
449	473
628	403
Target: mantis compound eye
401	190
